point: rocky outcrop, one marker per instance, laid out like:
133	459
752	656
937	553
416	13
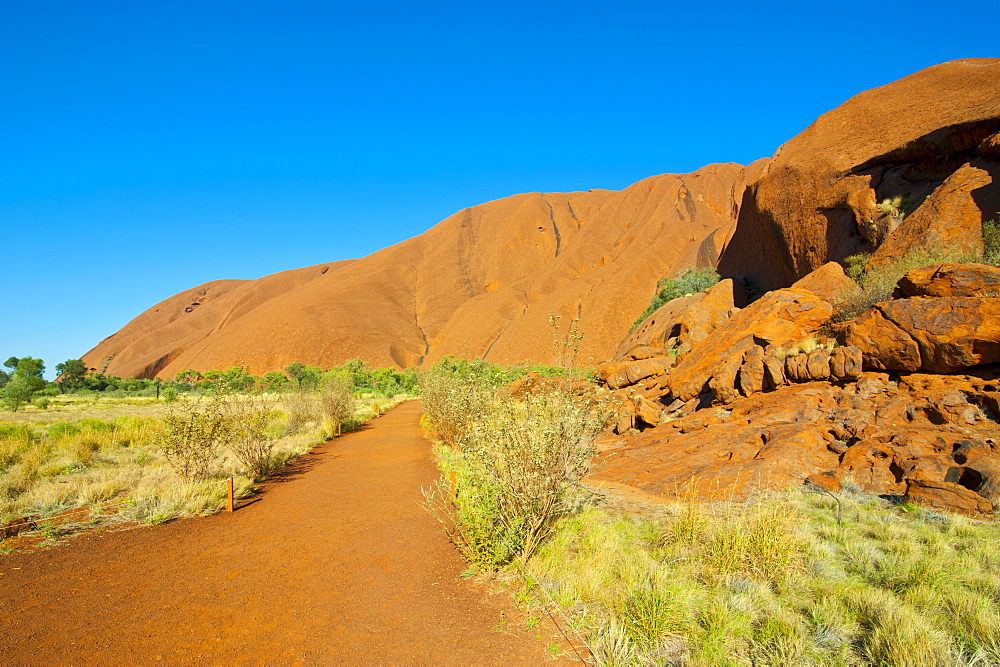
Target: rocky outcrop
940	327
684	322
927	437
766	401
778	318
907	164
480	284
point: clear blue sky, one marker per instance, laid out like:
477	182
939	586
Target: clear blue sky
148	147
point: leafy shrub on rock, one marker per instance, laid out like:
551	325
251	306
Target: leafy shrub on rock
689	281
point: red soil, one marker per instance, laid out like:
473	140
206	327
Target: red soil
337	562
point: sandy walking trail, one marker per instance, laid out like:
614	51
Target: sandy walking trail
337	563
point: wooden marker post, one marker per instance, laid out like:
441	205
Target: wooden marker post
338	429
229	491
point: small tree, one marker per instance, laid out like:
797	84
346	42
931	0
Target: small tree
71	373
16	393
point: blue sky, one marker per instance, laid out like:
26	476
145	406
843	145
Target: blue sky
146	148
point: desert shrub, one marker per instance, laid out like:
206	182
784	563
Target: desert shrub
301	407
192	434
247	435
336	397
171	395
689	281
16	393
878	283
514	466
991	241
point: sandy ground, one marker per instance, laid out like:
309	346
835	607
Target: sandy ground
336	562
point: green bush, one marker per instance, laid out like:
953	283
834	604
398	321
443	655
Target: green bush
513	466
16	393
991	241
246	433
689	281
878	283
192	434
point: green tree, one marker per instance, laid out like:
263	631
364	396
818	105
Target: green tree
306	377
4	377
16	393
71	373
31	370
273	381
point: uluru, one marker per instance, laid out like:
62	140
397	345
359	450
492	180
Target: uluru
484	282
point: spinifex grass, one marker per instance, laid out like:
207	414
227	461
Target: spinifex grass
778	581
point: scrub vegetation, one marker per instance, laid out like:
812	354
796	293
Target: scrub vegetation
778	580
877	283
148	460
791	578
690	281
511	463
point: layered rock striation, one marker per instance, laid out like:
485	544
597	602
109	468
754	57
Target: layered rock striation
480	284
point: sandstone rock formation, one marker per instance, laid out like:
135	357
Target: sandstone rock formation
786	404
483	282
480	284
932	439
928	139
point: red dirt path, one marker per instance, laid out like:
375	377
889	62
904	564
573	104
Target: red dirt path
336	563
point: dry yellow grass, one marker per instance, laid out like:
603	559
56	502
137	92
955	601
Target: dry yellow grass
85	453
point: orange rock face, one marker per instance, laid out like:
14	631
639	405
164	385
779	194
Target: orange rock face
951	280
480	284
777	318
928	139
937	334
932	438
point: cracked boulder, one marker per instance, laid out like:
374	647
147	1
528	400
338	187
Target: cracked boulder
936	334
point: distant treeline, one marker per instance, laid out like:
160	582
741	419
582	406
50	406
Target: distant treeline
22	381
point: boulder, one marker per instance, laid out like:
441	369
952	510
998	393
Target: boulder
777	318
630	373
750	378
830	283
948	497
818	364
796	368
951	333
951	280
884	345
686	321
774	372
648	411
605	370
845	362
